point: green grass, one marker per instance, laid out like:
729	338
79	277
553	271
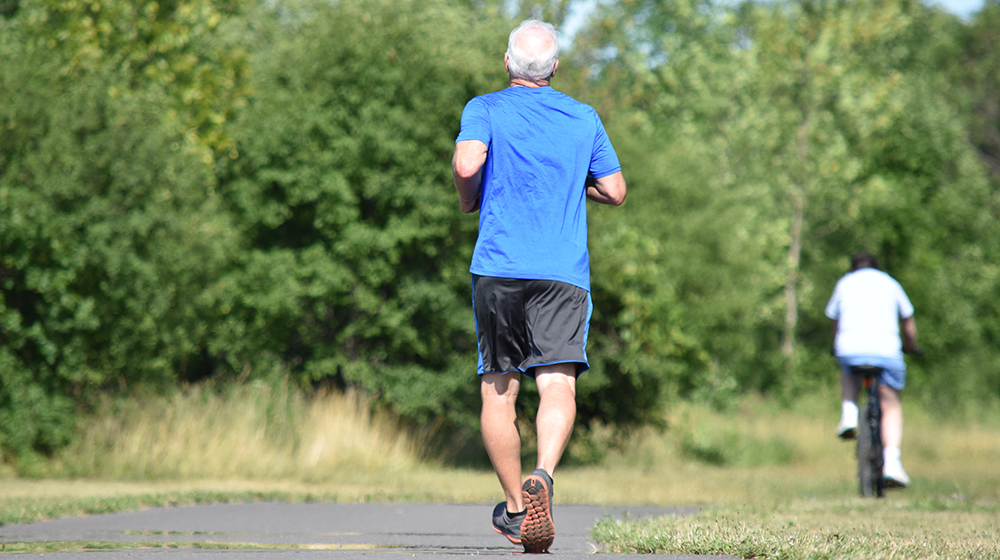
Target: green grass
813	529
772	482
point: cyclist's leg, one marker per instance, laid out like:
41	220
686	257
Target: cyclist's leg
892	416
892	436
850	387
891	383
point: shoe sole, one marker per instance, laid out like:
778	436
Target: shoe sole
893	483
849	433
537	529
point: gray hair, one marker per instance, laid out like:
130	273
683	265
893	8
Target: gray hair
533	66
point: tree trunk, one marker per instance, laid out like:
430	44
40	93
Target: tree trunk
795	246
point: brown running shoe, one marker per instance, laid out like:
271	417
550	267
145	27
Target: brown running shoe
537	529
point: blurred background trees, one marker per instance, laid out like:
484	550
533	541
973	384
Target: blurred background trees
222	190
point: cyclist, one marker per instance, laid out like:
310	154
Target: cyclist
870	310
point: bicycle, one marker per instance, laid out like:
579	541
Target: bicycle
870	462
871	478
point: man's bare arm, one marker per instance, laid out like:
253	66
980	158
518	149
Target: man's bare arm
609	189
467	171
908	327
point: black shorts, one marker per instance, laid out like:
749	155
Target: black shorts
521	324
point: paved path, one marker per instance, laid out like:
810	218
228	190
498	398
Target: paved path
341	531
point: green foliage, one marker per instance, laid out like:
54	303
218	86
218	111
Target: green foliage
108	230
188	49
354	263
199	188
980	77
752	117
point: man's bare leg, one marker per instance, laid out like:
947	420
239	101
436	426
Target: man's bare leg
850	387
892	436
556	412
892	416
500	434
554	424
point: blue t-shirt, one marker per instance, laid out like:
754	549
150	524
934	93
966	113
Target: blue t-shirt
532	207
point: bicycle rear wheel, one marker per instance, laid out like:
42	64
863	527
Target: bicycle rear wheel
870	456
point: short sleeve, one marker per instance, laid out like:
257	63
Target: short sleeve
603	160
905	307
475	122
833	306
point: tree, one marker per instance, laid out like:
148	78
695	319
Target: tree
797	133
109	227
980	74
190	49
353	268
106	234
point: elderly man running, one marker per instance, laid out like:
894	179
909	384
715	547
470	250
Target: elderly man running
527	158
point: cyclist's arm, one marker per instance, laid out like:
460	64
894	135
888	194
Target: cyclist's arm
908	327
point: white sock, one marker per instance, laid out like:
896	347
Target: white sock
890	454
849	409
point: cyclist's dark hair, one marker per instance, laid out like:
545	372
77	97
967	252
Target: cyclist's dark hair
864	260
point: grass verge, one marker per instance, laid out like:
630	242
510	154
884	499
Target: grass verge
812	530
772	482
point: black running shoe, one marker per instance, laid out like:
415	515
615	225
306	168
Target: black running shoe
537	530
508	524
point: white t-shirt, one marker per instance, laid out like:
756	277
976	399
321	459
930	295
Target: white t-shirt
868	305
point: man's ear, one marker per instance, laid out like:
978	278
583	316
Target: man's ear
506	62
554	68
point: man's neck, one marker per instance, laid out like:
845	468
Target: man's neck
521	82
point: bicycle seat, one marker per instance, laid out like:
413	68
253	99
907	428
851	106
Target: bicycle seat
865	370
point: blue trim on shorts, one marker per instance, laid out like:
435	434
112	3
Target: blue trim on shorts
893	368
586	366
586	334
479	365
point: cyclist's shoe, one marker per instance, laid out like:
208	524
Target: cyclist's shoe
848	428
895	476
537	530
508	524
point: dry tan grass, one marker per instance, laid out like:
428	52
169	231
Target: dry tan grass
942	458
254	432
264	438
781	485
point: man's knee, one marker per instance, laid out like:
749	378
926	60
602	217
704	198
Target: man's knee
499	388
556	376
889	396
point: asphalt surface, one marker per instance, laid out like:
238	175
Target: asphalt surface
280	531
